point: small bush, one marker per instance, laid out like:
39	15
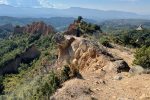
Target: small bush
142	57
65	74
50	85
23	67
105	42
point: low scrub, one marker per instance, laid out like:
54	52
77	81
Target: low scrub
142	57
105	42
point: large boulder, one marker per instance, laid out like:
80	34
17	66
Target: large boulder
121	66
137	70
117	66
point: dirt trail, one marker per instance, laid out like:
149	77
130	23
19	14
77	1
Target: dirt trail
101	86
123	52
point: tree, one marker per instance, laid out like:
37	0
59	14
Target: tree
79	18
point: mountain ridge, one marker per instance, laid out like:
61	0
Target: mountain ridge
68	12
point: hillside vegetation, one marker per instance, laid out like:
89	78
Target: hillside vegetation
37	63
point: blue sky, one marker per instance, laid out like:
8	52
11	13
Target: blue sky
138	6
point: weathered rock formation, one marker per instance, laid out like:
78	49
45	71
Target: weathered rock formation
84	54
99	69
82	27
12	66
73	29
35	27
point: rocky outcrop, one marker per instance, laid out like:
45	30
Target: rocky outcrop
12	65
84	54
117	66
35	27
73	29
39	27
79	28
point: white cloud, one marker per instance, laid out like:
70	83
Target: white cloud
4	2
45	3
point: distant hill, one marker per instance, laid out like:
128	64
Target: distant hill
7	24
58	22
119	25
7	10
135	22
55	21
5	30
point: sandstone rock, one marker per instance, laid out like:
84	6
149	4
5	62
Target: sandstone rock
117	77
121	66
117	66
39	27
72	29
83	28
93	98
34	28
52	98
144	97
136	70
86	54
125	99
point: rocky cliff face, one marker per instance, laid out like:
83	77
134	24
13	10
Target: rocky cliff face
35	27
39	27
88	55
72	29
82	27
12	66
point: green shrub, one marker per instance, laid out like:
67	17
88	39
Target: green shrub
23	66
50	85
105	41
65	74
142	57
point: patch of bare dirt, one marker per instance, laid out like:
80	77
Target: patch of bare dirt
103	86
123	52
